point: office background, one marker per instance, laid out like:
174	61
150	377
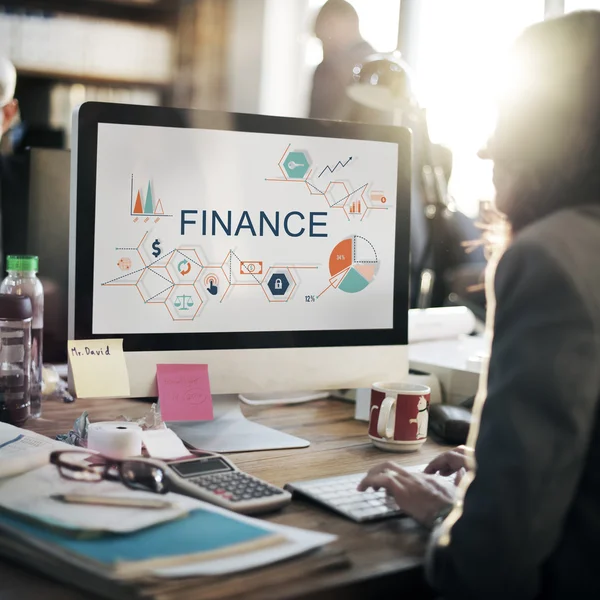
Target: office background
258	56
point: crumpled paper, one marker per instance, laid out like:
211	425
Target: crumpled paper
77	436
151	420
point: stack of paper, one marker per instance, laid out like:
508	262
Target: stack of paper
22	450
210	541
29	495
107	549
202	536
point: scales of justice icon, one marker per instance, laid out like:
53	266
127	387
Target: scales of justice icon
183	302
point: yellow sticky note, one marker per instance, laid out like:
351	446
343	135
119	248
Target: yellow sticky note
98	368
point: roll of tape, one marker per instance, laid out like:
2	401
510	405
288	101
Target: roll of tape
115	439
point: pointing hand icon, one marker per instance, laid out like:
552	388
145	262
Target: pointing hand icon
212	289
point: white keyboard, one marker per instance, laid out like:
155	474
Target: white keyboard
340	494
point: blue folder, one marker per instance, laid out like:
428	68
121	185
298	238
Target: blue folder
200	531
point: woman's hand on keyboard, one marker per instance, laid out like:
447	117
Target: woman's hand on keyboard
420	495
450	462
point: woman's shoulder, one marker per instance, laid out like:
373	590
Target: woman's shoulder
574	231
561	249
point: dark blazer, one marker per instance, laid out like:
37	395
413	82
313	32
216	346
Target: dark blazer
329	99
530	526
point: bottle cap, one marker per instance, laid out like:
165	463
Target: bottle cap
13	307
21	262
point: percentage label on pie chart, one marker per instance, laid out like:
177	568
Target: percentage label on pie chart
353	264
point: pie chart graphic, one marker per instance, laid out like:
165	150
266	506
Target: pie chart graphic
353	264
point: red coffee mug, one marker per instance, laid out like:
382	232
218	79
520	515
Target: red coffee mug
399	415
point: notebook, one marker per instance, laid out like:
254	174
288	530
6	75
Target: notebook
202	535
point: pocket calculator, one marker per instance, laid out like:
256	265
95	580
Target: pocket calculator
214	479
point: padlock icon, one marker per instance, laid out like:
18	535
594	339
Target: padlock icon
278	284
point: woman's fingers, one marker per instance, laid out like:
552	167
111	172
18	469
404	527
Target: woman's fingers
420	496
437	464
459	475
379	469
385	468
388	481
447	463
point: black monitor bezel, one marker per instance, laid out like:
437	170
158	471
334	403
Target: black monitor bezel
91	114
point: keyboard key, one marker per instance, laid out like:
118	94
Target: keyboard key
343	502
376	503
328	496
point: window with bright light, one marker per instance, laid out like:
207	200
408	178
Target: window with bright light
378	25
461	46
573	5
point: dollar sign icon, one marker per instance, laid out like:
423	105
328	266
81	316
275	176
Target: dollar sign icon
156	248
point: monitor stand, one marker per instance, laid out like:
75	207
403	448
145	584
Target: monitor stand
231	431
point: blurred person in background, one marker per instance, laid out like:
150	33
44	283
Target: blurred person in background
9	107
437	255
337	26
524	523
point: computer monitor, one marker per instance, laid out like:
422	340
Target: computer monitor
274	250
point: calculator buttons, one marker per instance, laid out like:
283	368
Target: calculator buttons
236	487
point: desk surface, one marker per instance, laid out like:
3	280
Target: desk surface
368	554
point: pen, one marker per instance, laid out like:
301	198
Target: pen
111	501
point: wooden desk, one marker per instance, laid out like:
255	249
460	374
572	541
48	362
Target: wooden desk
366	558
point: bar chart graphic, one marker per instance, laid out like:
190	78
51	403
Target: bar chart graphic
355	207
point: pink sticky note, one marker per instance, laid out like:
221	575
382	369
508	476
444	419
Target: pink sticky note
184	392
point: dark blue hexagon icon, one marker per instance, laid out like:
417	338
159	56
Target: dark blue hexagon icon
278	284
296	165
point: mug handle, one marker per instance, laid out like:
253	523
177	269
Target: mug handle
385	429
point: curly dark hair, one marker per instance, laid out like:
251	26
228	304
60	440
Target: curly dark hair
546	146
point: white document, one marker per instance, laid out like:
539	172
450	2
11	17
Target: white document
448	322
22	450
30	494
164	444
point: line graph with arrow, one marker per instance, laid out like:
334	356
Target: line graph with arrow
338	164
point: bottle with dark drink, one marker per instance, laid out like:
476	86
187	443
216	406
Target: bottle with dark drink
15	358
22	281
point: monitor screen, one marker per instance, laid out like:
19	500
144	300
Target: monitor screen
229	231
248	232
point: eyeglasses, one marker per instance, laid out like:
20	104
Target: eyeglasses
136	473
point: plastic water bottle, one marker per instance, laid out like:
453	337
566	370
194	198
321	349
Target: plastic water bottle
15	358
22	281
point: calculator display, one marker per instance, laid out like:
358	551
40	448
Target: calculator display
200	467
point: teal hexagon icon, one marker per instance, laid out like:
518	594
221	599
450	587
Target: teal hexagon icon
296	165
